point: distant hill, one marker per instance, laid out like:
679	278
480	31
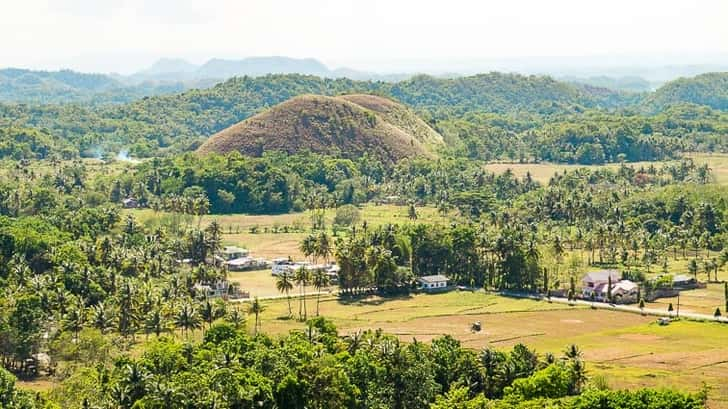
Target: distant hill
169	65
50	86
499	92
709	89
66	86
628	84
258	66
347	126
223	69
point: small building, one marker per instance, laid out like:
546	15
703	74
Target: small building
233	252
595	282
246	263
432	283
624	289
682	280
130	203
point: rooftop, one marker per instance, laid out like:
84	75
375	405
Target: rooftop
433	279
602	275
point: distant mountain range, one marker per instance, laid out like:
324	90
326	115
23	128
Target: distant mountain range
170	76
167	69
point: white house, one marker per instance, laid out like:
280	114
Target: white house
232	252
595	282
432	283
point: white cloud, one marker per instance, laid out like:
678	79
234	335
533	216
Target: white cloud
122	35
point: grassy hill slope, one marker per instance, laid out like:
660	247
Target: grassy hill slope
332	125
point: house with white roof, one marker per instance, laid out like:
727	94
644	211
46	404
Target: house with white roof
432	283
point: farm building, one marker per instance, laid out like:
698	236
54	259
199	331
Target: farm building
432	283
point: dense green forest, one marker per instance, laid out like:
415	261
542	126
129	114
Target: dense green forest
578	123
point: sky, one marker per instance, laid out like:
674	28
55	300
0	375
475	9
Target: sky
379	35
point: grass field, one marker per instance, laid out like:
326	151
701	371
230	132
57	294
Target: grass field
271	242
542	172
629	350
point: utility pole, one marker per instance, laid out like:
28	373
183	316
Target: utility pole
678	304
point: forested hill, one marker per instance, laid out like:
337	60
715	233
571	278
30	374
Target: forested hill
709	89
181	122
498	92
66	86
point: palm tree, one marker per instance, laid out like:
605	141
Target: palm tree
207	312
256	308
156	322
558	249
320	281
187	318
301	279
323	246
236	317
101	318
75	320
308	246
284	284
573	352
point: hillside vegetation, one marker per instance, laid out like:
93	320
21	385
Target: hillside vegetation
330	125
709	89
514	105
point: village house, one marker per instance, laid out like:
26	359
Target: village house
233	252
220	289
432	283
596	284
130	203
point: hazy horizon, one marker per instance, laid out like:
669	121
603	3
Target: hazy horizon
380	36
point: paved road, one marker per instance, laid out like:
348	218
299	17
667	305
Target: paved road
623	308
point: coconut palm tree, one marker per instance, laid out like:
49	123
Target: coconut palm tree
207	312
320	281
187	318
284	284
308	247
256	308
323	246
101	318
236	317
301	279
156	322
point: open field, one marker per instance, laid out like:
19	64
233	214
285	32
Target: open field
542	172
270	239
260	283
629	350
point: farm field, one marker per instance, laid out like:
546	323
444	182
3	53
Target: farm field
542	172
271	239
628	350
260	283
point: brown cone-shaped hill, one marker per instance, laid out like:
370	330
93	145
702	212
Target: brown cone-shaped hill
346	126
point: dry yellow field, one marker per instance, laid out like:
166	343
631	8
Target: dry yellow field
542	172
